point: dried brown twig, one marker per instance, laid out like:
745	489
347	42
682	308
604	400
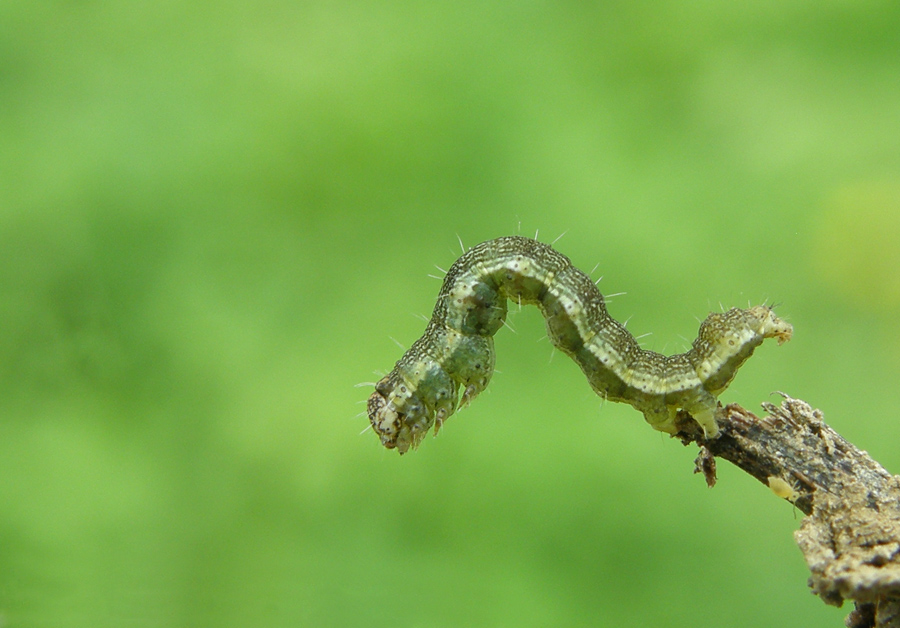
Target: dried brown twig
851	535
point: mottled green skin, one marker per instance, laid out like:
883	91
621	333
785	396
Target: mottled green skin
457	349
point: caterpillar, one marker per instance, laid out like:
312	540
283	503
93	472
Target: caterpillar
456	352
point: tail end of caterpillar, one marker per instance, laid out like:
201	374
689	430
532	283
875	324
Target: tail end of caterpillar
771	326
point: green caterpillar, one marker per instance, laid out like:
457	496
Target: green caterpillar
457	349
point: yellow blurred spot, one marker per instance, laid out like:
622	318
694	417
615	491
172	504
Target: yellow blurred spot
856	248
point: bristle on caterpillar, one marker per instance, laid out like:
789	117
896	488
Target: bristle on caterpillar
454	359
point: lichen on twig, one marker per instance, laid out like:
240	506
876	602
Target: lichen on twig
851	536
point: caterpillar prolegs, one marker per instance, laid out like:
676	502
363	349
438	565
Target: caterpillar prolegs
456	352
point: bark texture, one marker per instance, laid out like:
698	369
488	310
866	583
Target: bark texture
851	534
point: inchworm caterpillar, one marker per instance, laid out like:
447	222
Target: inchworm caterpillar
457	349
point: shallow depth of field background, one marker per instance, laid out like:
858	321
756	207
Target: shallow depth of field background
214	218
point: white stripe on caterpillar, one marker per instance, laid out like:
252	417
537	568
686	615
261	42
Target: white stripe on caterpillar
457	349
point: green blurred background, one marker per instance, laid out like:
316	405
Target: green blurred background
215	216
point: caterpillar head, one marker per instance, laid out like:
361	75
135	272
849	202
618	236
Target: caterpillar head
397	415
384	418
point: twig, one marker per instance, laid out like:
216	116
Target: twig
851	536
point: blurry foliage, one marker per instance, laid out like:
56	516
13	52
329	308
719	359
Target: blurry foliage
857	250
214	216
